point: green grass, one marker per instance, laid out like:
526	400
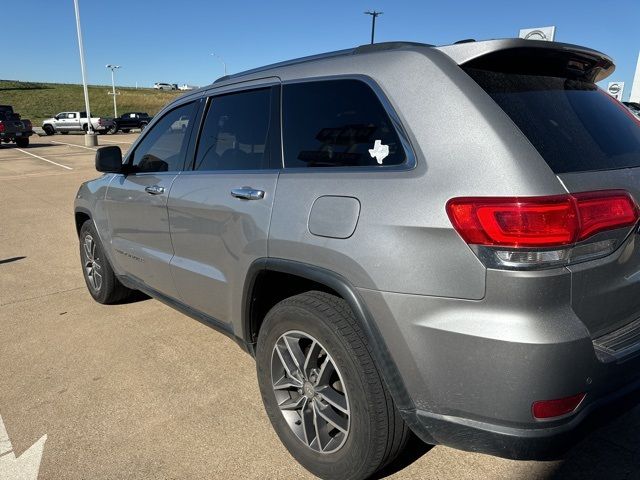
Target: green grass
37	101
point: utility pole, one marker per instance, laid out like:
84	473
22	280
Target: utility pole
113	68
374	14
90	139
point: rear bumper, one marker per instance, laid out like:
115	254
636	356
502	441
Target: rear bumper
542	443
10	136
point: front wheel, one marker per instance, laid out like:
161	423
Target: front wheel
48	130
22	142
113	129
100	278
322	392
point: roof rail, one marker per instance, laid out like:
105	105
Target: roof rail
369	48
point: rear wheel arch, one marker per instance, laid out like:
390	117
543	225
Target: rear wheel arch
81	216
271	280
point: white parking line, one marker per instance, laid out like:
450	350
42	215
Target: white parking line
42	158
74	145
113	141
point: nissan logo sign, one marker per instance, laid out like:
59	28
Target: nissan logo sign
536	35
614	89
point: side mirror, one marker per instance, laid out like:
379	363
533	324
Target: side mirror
109	159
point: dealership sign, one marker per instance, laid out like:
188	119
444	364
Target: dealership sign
541	33
616	89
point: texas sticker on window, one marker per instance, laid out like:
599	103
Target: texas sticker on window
379	151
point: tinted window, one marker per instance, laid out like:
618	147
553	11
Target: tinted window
234	135
164	147
337	123
573	125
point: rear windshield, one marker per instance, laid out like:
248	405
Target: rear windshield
575	126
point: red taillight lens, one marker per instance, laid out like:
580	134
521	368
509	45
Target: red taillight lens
601	211
546	409
2	127
540	221
27	124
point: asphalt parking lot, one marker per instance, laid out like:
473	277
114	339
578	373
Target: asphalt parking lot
141	391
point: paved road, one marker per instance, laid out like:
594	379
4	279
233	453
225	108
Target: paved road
140	391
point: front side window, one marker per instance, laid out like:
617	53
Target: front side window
163	148
235	132
337	123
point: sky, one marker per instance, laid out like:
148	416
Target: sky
172	41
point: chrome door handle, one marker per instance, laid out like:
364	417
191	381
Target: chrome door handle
154	190
247	193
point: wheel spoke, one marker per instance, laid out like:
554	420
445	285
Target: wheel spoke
295	351
306	416
288	365
316	428
331	417
334	398
286	383
87	248
312	355
326	370
293	403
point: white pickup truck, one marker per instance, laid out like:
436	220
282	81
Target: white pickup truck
66	122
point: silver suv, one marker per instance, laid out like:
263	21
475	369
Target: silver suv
408	238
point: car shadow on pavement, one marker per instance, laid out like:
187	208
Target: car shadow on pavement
31	145
415	449
612	452
135	297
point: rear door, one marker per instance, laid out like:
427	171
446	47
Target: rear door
136	203
221	210
592	142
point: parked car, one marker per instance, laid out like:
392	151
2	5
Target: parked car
13	128
393	264
633	107
66	122
129	121
165	86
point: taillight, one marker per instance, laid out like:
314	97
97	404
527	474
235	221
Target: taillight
526	231
28	125
2	127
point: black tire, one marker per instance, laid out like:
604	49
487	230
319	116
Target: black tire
22	142
143	126
125	130
48	130
64	133
85	127
376	432
113	129
110	289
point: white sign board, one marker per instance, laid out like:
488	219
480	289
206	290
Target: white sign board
616	89
541	33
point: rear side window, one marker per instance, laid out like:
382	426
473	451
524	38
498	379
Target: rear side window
337	123
235	132
574	125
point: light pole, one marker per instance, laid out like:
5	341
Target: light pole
224	64
113	68
90	138
374	15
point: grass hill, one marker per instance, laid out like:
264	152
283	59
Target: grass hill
37	101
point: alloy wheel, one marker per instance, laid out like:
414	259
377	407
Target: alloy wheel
92	267
310	392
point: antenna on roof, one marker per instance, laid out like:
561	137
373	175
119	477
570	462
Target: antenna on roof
374	14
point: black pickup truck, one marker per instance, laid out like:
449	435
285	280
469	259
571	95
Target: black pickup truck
129	121
12	128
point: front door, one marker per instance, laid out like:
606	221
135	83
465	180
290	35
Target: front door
220	211
136	203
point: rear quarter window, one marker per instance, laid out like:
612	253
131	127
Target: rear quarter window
573	124
337	123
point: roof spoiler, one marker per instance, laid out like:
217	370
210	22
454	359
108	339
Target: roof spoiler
516	55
